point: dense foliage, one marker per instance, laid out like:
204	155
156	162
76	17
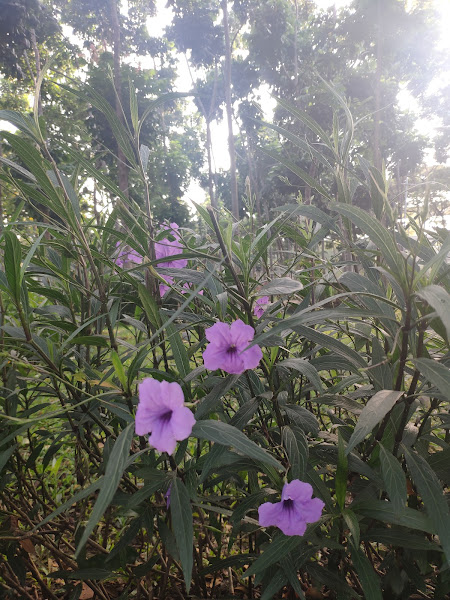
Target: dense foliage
216	405
351	395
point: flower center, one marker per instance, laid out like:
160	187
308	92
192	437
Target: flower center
165	417
288	504
232	349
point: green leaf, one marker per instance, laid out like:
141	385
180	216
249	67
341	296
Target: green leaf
304	367
94	574
181	511
280	285
370	582
378	234
330	343
280	546
430	489
437	373
150	306
352	523
13	259
374	411
341	472
302	417
118	368
18	168
23	122
394	478
5	456
308	121
385	511
402	538
439	299
179	351
113	473
278	580
295	443
81	495
227	435
30	253
209	403
299	172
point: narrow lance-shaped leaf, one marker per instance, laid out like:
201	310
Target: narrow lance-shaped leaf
181	511
341	472
12	259
294	442
281	285
227	435
376	408
378	234
370	581
439	299
114	470
430	489
394	478
437	373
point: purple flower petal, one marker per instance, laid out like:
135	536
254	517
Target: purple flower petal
241	334
219	334
252	357
295	510
227	348
268	514
312	510
161	437
297	490
161	412
182	422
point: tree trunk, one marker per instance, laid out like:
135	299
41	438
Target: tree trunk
122	168
231	148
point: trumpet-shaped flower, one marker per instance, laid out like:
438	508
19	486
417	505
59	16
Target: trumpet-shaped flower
258	310
296	509
166	248
161	412
227	348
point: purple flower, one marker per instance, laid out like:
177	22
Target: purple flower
127	255
166	248
162	413
258	310
296	509
227	348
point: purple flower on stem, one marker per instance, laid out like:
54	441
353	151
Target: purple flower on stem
127	255
296	509
166	248
162	413
227	348
258	310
